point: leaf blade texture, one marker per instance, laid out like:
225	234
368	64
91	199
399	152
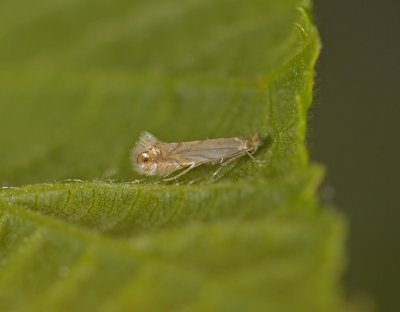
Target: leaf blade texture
80	231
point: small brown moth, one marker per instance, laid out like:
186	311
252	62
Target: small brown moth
151	157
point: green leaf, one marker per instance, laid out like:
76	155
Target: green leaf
80	231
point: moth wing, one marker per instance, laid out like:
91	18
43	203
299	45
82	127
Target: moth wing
146	140
165	168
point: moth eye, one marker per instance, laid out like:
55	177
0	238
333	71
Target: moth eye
143	158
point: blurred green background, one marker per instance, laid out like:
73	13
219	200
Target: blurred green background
355	132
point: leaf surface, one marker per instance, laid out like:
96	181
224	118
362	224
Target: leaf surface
79	231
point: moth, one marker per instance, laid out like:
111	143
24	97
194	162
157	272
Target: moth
153	157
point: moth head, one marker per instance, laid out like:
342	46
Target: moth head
145	155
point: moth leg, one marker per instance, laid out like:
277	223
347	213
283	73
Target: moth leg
223	163
258	161
216	172
191	166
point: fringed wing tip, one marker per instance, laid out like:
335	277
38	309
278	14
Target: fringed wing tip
145	141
